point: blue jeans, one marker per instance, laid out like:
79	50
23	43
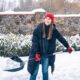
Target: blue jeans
45	64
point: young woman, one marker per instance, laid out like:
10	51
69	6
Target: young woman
44	46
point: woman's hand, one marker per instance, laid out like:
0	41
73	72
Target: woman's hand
69	50
37	57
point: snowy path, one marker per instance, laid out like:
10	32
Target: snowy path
67	67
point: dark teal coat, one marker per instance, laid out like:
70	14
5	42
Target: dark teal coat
45	47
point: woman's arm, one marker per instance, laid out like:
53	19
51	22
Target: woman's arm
35	42
61	38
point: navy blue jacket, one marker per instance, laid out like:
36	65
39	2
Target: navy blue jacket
44	47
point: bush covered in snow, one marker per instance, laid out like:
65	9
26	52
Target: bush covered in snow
74	42
12	44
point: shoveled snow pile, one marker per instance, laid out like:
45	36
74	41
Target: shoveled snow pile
67	67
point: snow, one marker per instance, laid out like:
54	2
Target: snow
38	10
67	15
26	12
73	1
75	40
67	67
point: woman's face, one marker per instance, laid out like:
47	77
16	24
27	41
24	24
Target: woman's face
47	21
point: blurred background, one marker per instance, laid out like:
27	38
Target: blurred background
16	29
55	6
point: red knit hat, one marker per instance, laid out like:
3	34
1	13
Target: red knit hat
50	15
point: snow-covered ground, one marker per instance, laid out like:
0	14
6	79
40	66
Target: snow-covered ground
67	67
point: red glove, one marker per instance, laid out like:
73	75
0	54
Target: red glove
37	57
69	50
